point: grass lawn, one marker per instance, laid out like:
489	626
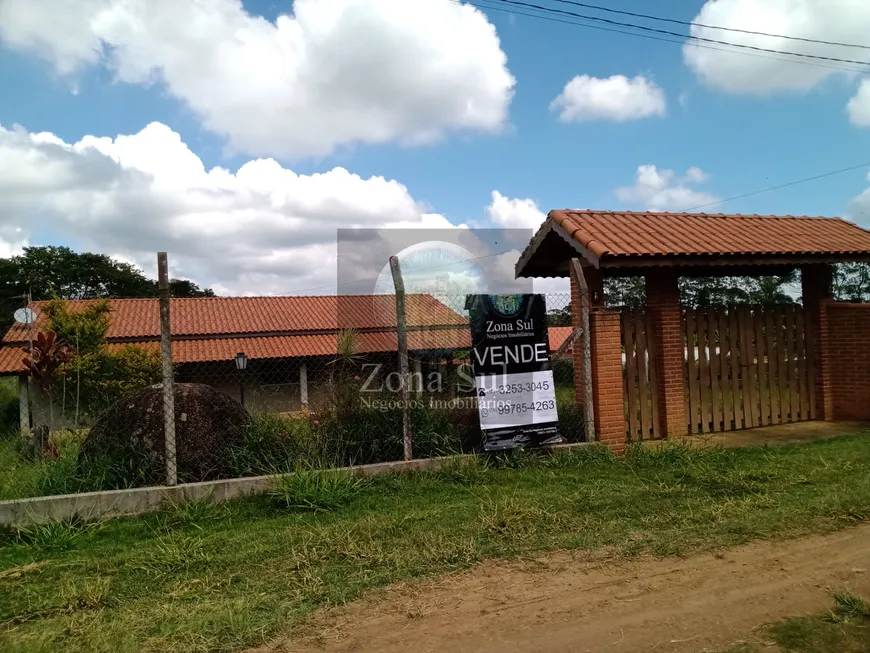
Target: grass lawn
845	629
222	577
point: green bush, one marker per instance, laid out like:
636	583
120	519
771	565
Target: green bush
563	372
97	376
9	404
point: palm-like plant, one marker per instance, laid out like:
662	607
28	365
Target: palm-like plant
44	361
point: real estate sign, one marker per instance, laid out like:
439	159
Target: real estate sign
512	373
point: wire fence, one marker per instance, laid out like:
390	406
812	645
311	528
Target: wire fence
259	384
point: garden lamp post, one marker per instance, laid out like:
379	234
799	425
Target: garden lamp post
241	366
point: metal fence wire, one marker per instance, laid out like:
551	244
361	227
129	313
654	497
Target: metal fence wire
265	384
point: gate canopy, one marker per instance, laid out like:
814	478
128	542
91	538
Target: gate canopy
700	244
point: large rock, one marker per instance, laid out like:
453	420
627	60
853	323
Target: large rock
129	437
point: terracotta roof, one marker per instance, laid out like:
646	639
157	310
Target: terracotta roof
270	347
559	335
214	316
612	236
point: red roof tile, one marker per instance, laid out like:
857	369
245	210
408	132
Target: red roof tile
270	347
558	335
616	234
139	318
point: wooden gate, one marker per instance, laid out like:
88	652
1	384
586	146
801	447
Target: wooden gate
639	373
747	366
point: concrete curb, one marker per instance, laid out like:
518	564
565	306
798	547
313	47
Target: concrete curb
136	501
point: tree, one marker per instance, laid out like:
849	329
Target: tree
628	292
852	282
559	317
705	291
185	288
45	272
97	376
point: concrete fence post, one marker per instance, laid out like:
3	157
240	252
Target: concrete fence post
166	360
402	337
580	305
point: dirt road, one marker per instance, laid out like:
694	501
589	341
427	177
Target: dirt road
564	604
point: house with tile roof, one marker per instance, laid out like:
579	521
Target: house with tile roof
289	342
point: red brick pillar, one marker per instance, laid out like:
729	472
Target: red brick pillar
663	304
817	282
607	393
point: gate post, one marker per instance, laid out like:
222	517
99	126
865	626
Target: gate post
607	392
663	305
817	288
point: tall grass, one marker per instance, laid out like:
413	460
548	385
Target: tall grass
274	444
23	475
270	444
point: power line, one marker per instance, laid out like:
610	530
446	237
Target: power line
689	37
771	188
719	27
480	4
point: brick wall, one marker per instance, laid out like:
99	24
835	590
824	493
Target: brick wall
846	335
666	338
607	392
816	285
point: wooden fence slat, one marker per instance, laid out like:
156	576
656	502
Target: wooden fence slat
782	364
704	365
747	383
630	372
802	364
772	367
694	396
653	375
811	364
724	368
714	354
753	366
643	380
744	368
734	345
793	396
761	352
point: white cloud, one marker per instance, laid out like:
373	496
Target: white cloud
845	21
859	208
514	213
664	190
262	229
332	74
683	99
696	176
859	106
615	98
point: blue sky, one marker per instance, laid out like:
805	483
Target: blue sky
743	138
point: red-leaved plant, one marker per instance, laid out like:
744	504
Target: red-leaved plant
45	359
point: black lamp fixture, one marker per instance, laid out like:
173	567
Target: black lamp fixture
241	365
